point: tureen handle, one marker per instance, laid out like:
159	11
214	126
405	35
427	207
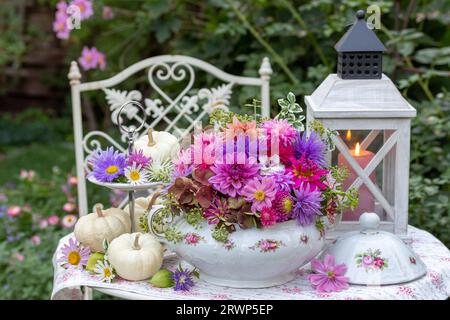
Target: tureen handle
369	221
158	215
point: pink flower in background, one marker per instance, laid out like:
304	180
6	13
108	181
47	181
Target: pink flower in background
107	13
53	220
88	59
43	224
14	211
3	197
85	6
69	221
101	59
36	240
27	175
60	24
328	276
92	58
73	181
69	207
20	257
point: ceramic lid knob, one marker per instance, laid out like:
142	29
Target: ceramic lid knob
369	221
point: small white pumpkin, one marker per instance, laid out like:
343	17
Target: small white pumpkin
141	206
136	256
158	145
108	224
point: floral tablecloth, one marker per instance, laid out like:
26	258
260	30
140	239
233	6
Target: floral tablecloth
434	285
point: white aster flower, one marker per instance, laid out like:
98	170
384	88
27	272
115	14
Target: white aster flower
136	175
104	271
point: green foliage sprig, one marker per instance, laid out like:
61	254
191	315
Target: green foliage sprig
290	111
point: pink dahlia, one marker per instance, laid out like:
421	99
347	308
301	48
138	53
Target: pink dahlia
281	130
216	212
230	179
260	192
308	173
328	276
283	204
268	216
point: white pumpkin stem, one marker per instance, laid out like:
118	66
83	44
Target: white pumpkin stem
153	199
136	245
98	209
151	141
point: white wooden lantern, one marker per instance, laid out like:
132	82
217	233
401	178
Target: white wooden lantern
376	107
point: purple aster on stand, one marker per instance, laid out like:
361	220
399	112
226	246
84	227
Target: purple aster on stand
312	148
183	279
107	165
231	178
307	205
138	157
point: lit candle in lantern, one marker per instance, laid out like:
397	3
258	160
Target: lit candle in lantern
366	199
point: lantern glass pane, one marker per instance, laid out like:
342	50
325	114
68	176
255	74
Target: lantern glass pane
364	147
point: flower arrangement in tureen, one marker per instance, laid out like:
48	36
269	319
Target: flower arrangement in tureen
246	172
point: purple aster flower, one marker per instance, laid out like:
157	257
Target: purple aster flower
74	255
312	148
231	178
183	279
138	157
307	205
107	165
283	180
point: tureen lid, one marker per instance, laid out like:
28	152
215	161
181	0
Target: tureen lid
375	257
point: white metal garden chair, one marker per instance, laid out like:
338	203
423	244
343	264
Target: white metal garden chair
165	111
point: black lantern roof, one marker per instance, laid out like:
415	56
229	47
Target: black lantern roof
360	38
360	52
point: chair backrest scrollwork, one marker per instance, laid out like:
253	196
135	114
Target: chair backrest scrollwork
178	115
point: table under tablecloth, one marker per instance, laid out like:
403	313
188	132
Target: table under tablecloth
435	284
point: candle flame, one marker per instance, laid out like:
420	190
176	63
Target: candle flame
348	136
357	149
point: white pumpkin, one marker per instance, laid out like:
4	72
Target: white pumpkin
141	206
108	224
136	256
158	145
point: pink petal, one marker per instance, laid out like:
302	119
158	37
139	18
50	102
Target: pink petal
317	279
340	269
317	265
328	261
